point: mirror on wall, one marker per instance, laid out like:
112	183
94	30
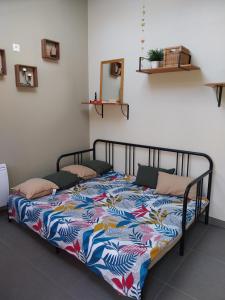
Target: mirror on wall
111	80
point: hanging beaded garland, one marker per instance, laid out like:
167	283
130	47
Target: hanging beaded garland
143	25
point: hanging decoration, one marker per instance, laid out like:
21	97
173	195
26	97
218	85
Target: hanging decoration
143	26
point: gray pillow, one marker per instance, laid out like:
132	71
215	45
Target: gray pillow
63	179
98	166
148	176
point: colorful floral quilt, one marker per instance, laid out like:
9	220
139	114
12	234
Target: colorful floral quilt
113	226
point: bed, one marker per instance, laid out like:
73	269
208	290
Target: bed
118	229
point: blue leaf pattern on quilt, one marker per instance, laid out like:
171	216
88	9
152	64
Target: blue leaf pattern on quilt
119	264
113	226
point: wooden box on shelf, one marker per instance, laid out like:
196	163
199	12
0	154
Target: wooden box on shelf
26	76
3	70
50	49
175	56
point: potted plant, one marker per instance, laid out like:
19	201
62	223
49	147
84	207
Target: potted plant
155	56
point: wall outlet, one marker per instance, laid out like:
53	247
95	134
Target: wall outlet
16	47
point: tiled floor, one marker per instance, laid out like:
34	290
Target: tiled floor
31	270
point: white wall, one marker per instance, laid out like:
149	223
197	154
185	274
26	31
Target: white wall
172	110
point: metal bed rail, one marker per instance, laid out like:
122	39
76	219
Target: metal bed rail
77	157
182	168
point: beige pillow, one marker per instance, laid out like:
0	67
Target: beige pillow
81	171
35	188
174	185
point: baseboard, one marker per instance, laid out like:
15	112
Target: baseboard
216	222
3	209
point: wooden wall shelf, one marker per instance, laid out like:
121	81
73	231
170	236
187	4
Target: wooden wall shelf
26	76
3	70
50	49
101	104
219	90
180	68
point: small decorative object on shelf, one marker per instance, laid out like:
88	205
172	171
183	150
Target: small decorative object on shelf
26	76
50	49
175	59
219	90
155	56
3	70
175	56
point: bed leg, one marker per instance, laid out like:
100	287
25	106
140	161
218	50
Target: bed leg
207	215
9	220
182	246
57	250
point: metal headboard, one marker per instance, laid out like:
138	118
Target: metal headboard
182	167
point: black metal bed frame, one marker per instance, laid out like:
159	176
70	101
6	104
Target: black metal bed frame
182	168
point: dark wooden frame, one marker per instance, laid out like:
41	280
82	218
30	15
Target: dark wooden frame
3	66
44	45
17	76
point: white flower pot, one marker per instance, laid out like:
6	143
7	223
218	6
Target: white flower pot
155	64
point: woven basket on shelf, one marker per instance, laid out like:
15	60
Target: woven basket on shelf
172	55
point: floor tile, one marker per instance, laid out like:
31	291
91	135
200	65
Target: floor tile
201	276
23	239
166	267
32	269
213	243
152	287
169	293
195	233
19	281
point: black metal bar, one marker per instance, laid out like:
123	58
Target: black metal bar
208	197
125	114
149	156
140	60
184	216
106	154
153	158
133	161
188	159
182	164
97	111
158	157
157	148
177	163
110	153
185	201
113	155
129	160
219	92
70	154
126	159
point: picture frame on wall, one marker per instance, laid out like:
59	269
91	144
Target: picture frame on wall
26	76
50	49
3	69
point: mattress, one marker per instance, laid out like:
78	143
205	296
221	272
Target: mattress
118	229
